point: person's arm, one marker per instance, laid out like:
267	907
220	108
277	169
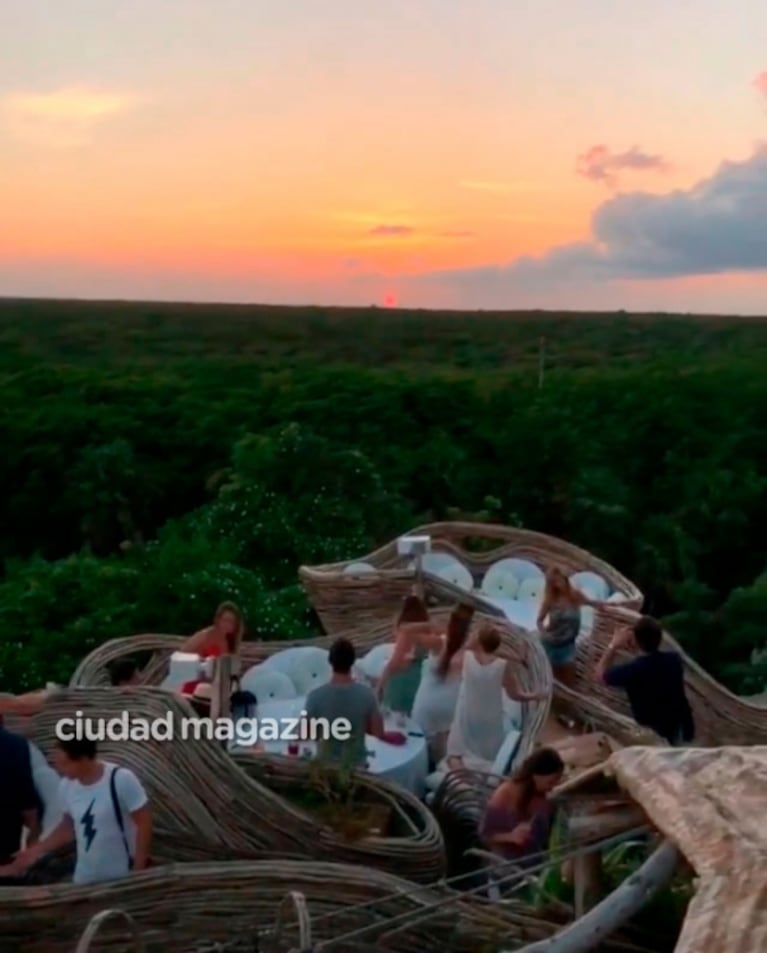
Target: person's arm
402	647
512	689
142	818
606	672
59	837
508	795
375	725
196	642
33	823
133	799
31	703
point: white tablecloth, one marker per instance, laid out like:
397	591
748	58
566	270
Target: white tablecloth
406	765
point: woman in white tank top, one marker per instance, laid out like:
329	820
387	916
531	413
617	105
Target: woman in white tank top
435	701
477	731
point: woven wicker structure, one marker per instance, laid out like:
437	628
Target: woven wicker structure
93	670
344	602
190	907
532	667
207	807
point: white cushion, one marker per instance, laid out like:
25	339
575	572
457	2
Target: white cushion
306	666
182	667
590	584
521	568
500	585
506	752
436	562
358	569
531	589
436	778
374	662
267	684
458	575
616	597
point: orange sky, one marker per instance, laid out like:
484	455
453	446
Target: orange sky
211	150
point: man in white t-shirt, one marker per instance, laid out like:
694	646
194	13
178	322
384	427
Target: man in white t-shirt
106	812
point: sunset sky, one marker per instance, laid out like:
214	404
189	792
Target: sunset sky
433	153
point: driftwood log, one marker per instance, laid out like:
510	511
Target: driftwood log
603	920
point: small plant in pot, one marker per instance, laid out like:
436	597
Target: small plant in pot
343	802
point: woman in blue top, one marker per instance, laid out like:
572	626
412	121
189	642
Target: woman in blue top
559	622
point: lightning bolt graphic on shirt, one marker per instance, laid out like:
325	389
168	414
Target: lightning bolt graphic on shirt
89	829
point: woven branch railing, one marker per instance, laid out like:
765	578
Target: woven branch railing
532	667
178	907
344	602
95	926
207	807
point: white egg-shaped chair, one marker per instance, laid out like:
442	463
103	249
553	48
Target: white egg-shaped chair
373	664
267	684
306	666
458	575
437	562
358	569
591	585
500	585
531	589
521	568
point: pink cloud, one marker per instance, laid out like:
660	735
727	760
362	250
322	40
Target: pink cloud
760	83
600	164
392	231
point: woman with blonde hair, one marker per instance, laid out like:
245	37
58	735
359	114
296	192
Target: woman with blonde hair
223	637
401	676
559	622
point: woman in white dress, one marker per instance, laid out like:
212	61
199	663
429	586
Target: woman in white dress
437	695
478	731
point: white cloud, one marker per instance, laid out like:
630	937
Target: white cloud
61	117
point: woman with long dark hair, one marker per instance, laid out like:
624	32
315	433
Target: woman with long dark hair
399	680
437	695
519	815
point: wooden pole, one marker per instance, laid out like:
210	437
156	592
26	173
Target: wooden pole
221	689
608	916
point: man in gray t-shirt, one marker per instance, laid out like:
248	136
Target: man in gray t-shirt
342	697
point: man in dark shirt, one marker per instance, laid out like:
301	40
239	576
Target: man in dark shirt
654	682
19	803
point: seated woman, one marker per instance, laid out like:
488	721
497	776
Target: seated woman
437	696
519	815
401	676
221	638
559	622
478	728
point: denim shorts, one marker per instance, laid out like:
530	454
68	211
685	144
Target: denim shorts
560	654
